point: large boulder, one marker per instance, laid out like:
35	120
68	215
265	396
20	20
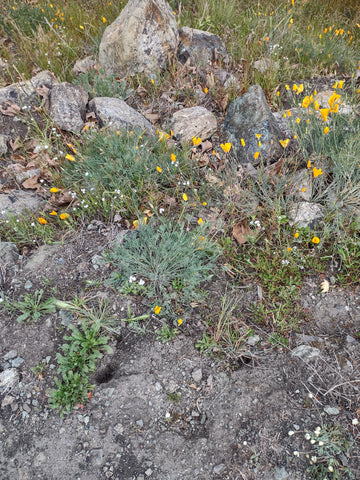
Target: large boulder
141	39
200	47
25	93
68	106
249	118
193	122
116	114
19	202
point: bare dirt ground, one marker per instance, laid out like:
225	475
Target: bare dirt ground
161	410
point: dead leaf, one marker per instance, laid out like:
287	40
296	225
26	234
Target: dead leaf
169	200
11	109
44	92
206	146
32	183
15	144
241	232
65	198
152	117
224	102
325	286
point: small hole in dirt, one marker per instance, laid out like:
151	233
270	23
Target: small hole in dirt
242	361
105	374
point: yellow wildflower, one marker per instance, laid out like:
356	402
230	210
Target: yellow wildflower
206	90
42	221
309	164
179	322
54	190
289	249
69	157
258	135
316	240
242	142
185	198
196	141
173	157
317	172
326	130
226	147
284	143
64	216
157	310
200	221
53	213
159	169
256	155
316	105
296	235
324	113
103	19
298	120
306	102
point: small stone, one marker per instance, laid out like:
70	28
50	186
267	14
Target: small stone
17	362
39	459
158	387
26	408
331	410
219	469
193	122
28	285
7	400
140	423
252	341
4	139
305	352
8	378
306	214
197	375
10	355
148	472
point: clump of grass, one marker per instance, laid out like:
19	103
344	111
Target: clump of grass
126	173
172	261
100	85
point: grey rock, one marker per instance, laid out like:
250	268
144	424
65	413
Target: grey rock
193	122
9	253
252	341
115	113
219	469
282	474
21	174
139	423
306	214
285	122
305	352
300	184
39	257
148	472
84	65
18	202
4	139
96	456
197	375
28	285
68	106
98	261
7	400
9	378
17	362
39	459
331	410
66	317
24	93
265	64
247	116
10	355
200	47
141	39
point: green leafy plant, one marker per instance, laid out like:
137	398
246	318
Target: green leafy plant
174	397
163	254
78	361
166	334
32	307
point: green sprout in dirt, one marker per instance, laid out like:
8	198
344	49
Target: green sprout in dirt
32	307
81	352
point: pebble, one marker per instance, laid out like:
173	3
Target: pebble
305	352
219	469
148	472
139	423
10	355
17	362
196	375
331	410
252	341
28	285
